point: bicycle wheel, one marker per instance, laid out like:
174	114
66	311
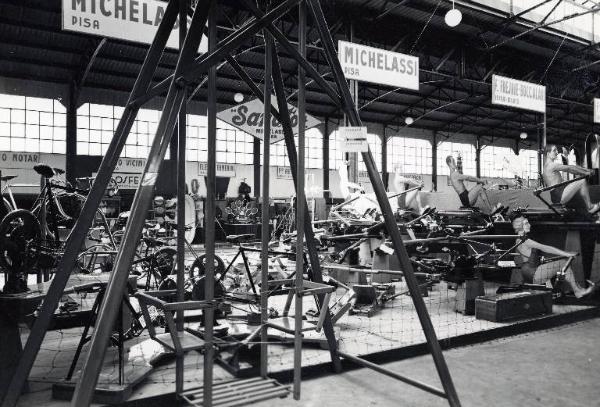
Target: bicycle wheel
198	268
20	234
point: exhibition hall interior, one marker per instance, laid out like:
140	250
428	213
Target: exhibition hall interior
299	203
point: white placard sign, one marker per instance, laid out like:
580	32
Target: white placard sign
596	110
130	165
520	94
125	180
248	117
354	139
378	65
284	173
9	159
222	170
130	20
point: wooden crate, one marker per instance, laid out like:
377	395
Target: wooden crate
515	305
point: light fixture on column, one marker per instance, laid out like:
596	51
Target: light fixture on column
453	17
523	135
238	97
409	120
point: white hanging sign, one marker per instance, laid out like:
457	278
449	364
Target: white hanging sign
354	139
222	170
519	94
130	165
9	159
378	65
129	20
596	110
284	173
249	118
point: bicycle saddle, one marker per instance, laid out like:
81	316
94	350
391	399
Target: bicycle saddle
240	238
7	177
44	170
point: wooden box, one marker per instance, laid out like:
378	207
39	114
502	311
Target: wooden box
507	306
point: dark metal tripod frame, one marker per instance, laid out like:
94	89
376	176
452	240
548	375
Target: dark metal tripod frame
187	68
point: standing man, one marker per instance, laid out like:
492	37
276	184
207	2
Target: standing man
467	198
566	193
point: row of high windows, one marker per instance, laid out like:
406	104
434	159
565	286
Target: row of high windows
39	125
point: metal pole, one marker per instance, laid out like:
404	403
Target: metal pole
211	180
309	235
352	157
384	163
386	210
300	202
181	143
434	146
326	192
77	235
116	285
265	235
71	144
256	166
478	157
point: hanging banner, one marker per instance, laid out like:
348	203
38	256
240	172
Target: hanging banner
129	20
248	117
9	159
354	139
222	170
519	94
378	65
596	110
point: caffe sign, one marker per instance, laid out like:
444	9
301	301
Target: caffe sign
249	118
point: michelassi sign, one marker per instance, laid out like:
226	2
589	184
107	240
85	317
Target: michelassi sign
520	94
249	118
378	65
130	20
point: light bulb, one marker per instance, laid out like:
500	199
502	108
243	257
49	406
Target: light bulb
523	135
238	97
453	17
409	120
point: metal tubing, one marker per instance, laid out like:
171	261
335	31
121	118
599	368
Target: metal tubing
294	53
308	230
225	47
300	205
77	235
211	180
265	236
118	279
384	204
181	143
377	368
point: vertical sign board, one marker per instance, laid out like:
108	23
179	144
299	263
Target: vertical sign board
248	117
354	139
379	66
519	94
596	110
129	20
